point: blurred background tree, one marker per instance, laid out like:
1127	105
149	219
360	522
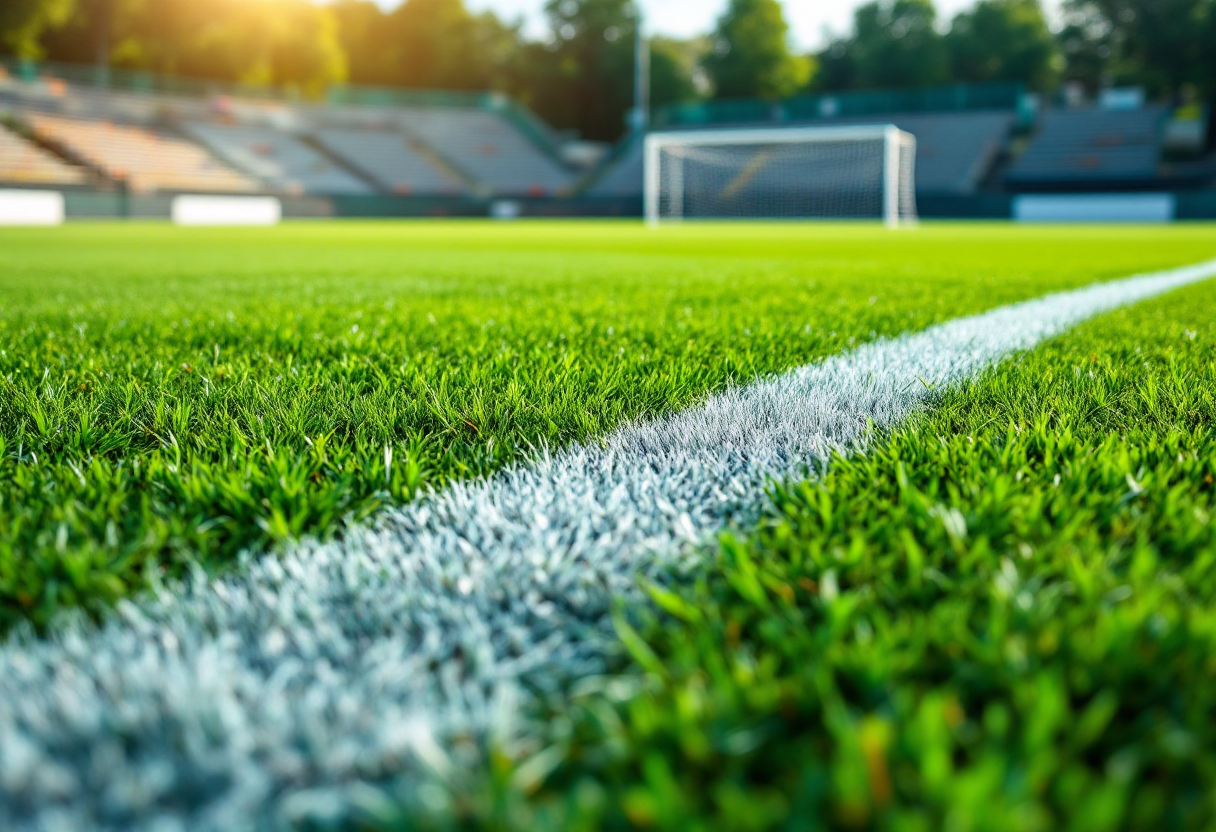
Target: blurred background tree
751	55
582	78
1163	45
286	42
1004	40
894	43
676	72
23	24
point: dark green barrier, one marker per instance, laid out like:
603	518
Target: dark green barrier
88	204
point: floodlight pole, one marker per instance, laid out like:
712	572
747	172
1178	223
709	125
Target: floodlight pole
104	23
641	73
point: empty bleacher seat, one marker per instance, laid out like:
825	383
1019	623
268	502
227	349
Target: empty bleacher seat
624	174
148	160
1092	146
954	151
391	159
279	159
489	149
24	162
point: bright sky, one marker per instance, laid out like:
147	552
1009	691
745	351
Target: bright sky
683	18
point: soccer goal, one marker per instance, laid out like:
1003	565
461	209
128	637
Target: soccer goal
854	173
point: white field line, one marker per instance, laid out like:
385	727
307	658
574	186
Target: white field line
310	681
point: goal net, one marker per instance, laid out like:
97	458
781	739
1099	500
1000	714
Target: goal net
850	173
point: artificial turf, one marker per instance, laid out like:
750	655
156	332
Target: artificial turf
171	397
999	618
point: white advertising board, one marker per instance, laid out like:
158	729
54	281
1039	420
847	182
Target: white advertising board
1094	208
226	210
31	207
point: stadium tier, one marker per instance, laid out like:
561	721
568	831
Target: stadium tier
148	160
398	164
954	151
455	154
281	160
623	174
487	148
1088	146
22	162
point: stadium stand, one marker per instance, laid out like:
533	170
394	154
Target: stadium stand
458	151
148	160
488	149
26	163
623	173
281	160
1087	146
954	151
397	163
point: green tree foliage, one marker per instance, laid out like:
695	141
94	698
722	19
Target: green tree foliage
893	44
1003	40
583	78
370	48
674	65
433	44
751	55
1085	46
1165	45
438	46
79	37
303	47
282	42
22	23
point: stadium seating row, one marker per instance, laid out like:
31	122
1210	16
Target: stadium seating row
146	159
477	153
279	159
22	162
488	149
1117	146
267	145
397	163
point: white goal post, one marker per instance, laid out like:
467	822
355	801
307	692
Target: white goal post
863	172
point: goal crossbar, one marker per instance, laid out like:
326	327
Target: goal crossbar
771	135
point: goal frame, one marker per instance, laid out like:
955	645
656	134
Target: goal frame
891	136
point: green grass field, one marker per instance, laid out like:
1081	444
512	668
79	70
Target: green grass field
999	618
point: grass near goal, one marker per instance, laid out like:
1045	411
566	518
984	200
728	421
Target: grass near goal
849	173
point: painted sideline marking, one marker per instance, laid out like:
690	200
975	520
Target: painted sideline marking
316	682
